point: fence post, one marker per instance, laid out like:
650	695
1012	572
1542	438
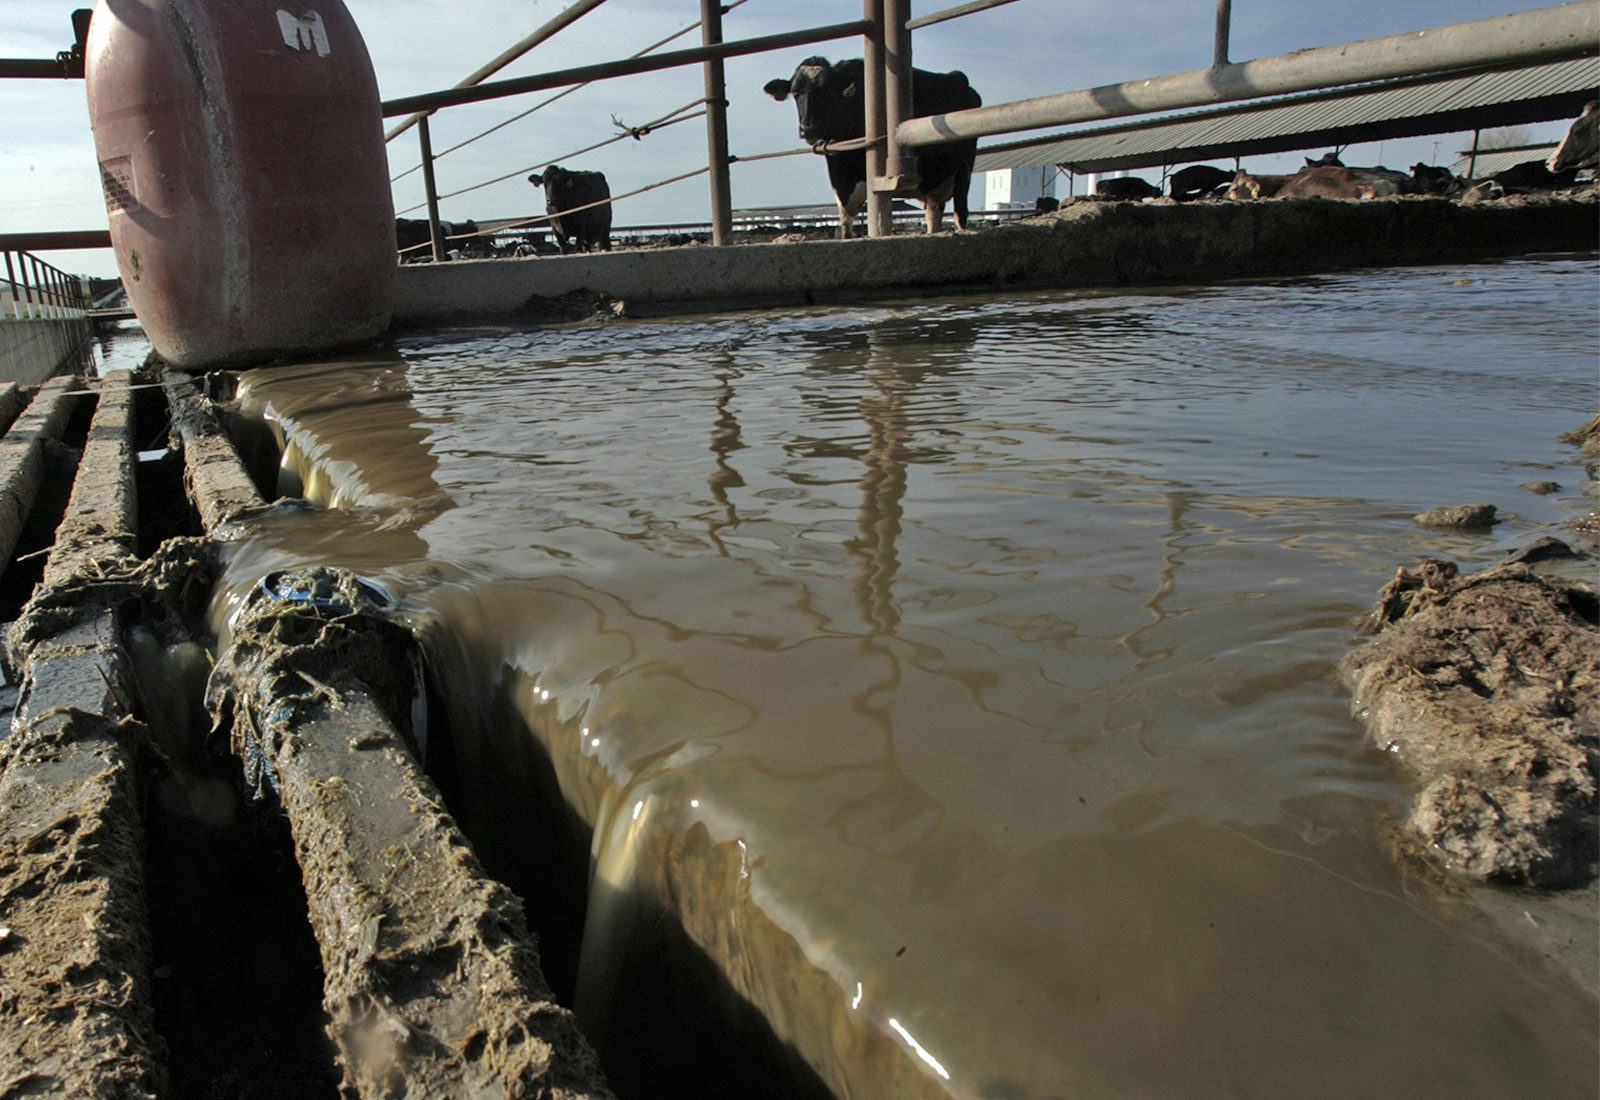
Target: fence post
899	168
880	207
717	125
433	191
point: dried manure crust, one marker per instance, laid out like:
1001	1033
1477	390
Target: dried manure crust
1488	687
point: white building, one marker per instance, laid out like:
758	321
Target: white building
1017	188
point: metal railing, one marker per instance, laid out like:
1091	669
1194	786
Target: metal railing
1547	34
36	290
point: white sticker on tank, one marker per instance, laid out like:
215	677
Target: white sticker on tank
304	32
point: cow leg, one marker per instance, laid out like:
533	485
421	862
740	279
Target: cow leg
963	181
933	212
849	207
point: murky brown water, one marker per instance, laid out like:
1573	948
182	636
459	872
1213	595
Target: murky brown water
959	673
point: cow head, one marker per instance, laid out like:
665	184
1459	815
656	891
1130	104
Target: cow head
551	179
1245	186
827	97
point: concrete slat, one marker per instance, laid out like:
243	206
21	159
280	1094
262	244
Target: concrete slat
76	1004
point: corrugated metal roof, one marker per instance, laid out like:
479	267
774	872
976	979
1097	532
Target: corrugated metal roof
1391	109
1490	161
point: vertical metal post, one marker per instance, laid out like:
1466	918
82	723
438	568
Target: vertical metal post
433	191
1472	158
880	206
11	287
717	126
30	276
1219	53
899	167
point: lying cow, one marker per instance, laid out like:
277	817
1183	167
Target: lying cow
1126	189
1581	147
1532	175
564	193
1323	182
1255	185
1326	160
413	235
1197	181
1433	180
1327	183
828	99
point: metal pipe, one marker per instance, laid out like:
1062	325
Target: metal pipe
30	280
1505	41
954	13
430	188
1472	158
568	17
1219	49
632	66
897	105
11	284
880	206
46	242
29	68
717	126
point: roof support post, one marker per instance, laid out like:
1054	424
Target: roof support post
717	125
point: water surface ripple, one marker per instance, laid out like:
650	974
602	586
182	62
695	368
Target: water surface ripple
958	675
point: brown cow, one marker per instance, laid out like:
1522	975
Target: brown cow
1327	183
1581	147
1255	185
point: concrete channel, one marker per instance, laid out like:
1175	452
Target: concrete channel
176	830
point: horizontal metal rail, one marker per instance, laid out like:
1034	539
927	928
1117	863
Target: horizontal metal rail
541	81
565	19
1506	41
40	68
56	241
954	13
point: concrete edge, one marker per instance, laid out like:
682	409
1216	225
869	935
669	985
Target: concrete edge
1103	244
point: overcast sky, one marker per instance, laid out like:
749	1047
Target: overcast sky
1028	48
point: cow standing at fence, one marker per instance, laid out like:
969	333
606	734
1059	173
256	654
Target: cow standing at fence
829	99
1581	147
564	193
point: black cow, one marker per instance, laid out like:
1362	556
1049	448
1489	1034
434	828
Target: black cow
1197	181
1326	160
828	99
413	235
1532	175
566	191
1433	180
1045	204
1126	188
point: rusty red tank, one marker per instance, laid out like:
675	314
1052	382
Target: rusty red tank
241	150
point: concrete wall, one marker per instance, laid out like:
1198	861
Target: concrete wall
33	350
1086	244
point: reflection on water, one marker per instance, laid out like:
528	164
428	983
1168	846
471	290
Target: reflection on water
957	676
